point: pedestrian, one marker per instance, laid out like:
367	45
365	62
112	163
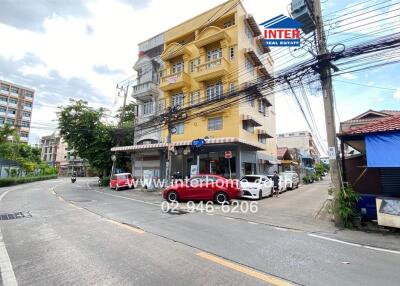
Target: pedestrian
275	179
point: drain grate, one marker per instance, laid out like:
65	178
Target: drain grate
10	216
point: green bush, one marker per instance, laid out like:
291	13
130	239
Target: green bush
105	181
22	180
306	180
347	206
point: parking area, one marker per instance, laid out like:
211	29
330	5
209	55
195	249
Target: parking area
300	208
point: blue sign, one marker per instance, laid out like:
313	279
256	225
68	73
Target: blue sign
281	31
198	143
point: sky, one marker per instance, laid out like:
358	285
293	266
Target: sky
83	48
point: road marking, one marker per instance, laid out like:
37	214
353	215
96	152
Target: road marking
132	228
334	240
7	272
382	249
225	217
245	270
280	228
122	197
252	222
355	244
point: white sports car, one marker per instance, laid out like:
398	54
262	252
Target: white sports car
256	186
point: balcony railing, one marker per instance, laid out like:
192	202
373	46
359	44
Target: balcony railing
170	80
211	69
143	89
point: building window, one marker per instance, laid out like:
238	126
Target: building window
193	64
195	97
12	101
25	124
262	140
28	93
215	123
180	128
291	134
249	33
231	88
232	53
11	111
14	90
1	120
148	107
28	104
251	100
2	109
248	126
10	121
5	87
249	66
229	23
214	54
261	106
2	98
177	67
177	100
27	114
214	91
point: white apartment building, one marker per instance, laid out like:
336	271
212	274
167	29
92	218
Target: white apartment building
16	107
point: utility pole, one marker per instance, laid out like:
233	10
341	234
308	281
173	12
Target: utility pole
173	113
124	89
327	91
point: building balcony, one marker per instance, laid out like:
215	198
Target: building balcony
25	118
211	69
211	35
25	129
252	56
2	114
23	139
10	115
27	108
144	90
4	92
12	105
171	81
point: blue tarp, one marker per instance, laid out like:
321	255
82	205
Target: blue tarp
383	150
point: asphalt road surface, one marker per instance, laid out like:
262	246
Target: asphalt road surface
58	233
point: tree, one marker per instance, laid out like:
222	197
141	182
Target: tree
6	132
85	130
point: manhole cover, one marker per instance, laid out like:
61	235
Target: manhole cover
10	216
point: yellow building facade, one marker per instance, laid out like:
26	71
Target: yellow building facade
207	60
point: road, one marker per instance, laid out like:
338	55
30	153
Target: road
81	235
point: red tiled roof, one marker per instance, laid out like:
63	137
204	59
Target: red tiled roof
281	152
391	123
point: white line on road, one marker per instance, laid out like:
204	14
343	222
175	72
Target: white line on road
252	222
7	272
280	228
122	197
354	244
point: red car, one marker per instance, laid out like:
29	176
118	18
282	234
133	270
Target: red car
123	180
204	187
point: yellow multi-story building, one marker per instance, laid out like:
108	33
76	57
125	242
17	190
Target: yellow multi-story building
206	61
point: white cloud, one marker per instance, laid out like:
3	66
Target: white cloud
396	95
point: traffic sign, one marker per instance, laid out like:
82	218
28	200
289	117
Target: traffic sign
228	154
198	143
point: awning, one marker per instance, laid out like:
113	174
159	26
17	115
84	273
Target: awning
251	54
251	120
289	162
263	134
383	150
253	25
260	43
211	141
